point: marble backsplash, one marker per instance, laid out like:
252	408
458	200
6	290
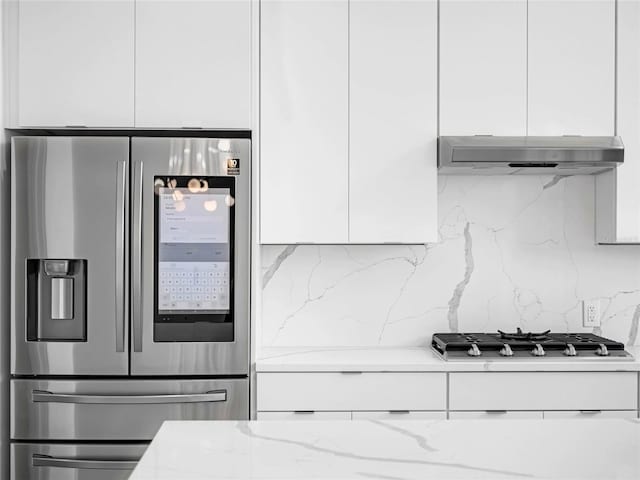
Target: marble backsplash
514	251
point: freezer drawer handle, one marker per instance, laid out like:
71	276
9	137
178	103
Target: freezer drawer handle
101	464
49	397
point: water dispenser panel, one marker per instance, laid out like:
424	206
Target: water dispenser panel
56	300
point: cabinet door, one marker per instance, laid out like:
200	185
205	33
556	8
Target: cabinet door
571	67
304	121
396	415
591	414
75	63
304	415
193	64
540	391
393	121
617	193
327	391
497	415
483	67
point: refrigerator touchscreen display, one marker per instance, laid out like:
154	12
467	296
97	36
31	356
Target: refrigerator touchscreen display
193	258
194	249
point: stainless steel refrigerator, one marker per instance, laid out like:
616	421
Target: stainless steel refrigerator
130	261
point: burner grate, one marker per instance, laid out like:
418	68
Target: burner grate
529	336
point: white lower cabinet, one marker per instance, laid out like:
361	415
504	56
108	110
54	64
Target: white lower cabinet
356	415
352	391
304	415
590	414
543	391
399	415
423	395
497	415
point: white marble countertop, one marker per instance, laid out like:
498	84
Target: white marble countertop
409	450
415	359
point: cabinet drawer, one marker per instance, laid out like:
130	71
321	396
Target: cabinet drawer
543	391
496	415
302	415
587	414
399	415
351	391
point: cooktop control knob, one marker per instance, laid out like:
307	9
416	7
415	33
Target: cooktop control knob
570	351
538	351
506	351
474	351
602	350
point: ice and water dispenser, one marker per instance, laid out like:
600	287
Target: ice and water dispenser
56	300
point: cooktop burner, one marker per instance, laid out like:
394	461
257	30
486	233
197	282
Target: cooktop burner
519	335
520	345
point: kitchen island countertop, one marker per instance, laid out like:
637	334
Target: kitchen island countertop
460	449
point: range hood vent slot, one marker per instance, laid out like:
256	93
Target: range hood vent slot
532	165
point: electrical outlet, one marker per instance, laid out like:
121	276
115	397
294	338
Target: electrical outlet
591	313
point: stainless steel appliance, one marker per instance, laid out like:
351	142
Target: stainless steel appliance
130	295
520	346
562	155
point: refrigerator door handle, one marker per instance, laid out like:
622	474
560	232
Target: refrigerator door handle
50	397
96	464
137	257
120	255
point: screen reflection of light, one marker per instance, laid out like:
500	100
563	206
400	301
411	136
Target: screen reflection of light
194	185
180	206
224	145
159	183
178	195
210	205
204	185
229	200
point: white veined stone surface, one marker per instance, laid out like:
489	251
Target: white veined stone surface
409	450
514	251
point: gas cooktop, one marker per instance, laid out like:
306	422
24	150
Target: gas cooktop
527	345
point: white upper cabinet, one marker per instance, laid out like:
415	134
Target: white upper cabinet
617	192
193	64
75	63
393	121
483	67
304	121
348	121
571	67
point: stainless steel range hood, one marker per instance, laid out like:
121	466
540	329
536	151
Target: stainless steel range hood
565	155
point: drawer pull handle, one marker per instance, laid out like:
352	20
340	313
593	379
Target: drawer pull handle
590	412
496	412
95	464
351	372
49	397
399	412
304	412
